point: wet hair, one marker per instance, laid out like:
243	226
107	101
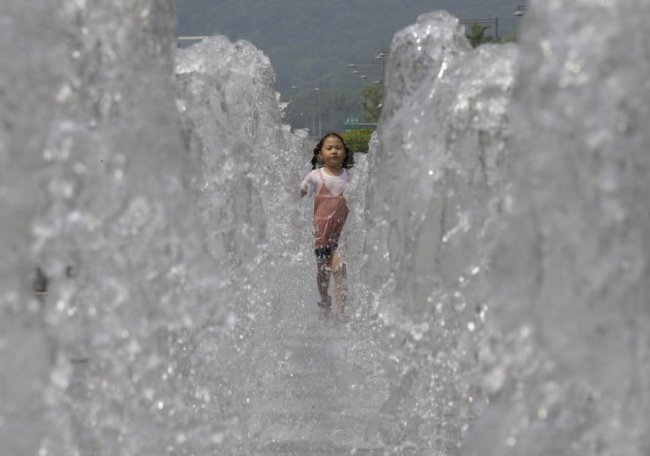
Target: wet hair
348	161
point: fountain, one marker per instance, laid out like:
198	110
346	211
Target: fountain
157	290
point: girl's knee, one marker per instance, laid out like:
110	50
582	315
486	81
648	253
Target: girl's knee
338	265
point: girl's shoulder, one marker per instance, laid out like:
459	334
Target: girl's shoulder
313	173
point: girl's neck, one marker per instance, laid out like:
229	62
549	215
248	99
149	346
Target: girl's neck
333	172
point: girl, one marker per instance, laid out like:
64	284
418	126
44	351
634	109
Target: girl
327	182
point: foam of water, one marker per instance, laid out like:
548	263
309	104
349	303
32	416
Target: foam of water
498	282
571	324
437	187
92	142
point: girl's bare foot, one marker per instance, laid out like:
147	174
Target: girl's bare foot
341	317
325	306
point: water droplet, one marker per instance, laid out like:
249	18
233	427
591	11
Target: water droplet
471	326
64	93
511	441
160	405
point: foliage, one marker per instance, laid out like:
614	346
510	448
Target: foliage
512	38
477	34
371	100
357	140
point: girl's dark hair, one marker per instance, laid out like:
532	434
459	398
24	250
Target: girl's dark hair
348	161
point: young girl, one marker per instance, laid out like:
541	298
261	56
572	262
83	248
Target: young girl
327	182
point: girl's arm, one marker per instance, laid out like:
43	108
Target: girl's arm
307	184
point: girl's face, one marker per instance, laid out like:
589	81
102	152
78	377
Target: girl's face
333	152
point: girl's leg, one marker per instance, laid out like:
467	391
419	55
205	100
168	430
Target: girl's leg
323	273
340	282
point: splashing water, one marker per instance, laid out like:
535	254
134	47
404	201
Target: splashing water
498	286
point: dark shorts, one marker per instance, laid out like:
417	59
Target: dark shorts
324	254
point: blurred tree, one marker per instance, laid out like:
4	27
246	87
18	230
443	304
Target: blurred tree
477	34
371	100
357	140
512	38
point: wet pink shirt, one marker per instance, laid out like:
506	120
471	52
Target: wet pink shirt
330	208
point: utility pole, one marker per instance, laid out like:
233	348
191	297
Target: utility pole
316	111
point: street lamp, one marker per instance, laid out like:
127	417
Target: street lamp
191	38
316	113
521	9
371	67
320	119
381	56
